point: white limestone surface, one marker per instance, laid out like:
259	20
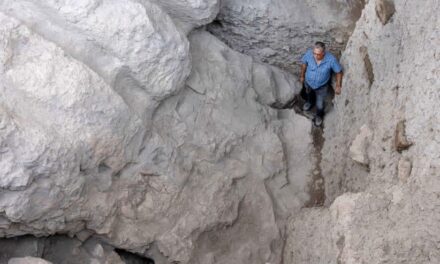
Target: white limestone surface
190	14
388	211
135	48
280	31
102	135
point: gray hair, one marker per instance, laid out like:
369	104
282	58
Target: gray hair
320	45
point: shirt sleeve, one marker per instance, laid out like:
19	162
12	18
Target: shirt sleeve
336	67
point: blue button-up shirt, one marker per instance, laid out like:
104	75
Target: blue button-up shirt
319	75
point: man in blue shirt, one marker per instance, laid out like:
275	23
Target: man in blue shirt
316	69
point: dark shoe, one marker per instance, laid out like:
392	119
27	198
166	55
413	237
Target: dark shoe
307	106
317	121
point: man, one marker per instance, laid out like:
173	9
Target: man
316	69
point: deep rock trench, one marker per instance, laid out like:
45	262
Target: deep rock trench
317	183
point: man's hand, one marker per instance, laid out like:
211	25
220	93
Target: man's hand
303	73
338	83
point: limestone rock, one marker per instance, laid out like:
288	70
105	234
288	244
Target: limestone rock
363	227
101	140
359	146
274	86
280	31
63	128
127	43
385	10
399	92
28	260
401	142
367	64
388	214
219	89
404	169
189	14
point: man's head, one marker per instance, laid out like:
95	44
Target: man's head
319	50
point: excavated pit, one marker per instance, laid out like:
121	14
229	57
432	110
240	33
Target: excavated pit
131	121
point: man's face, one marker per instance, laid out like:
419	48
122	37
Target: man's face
318	54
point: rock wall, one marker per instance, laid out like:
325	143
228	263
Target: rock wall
381	157
125	124
118	127
190	14
280	31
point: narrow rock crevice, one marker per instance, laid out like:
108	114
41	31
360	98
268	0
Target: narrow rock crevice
317	184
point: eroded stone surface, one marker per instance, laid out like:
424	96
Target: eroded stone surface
359	146
392	214
401	141
101	150
280	31
189	14
385	10
135	48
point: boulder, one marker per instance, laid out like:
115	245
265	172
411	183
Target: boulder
145	164
190	14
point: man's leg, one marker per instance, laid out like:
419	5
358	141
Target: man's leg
308	104
321	94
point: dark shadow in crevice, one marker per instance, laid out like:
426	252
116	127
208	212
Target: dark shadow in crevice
131	258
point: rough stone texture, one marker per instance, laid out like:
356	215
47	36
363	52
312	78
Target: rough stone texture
189	14
365	228
245	160
359	146
401	142
280	31
28	260
404	89
393	216
385	10
135	48
404	169
274	86
100	137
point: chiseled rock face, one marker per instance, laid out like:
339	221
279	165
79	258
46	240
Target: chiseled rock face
135	48
99	135
189	14
394	214
280	31
399	106
62	128
214	164
365	227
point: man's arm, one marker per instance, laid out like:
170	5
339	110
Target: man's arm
338	82
302	76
